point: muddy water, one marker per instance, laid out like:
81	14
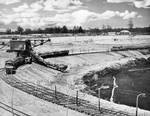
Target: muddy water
130	84
124	85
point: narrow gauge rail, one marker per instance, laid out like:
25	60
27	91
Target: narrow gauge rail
59	98
15	111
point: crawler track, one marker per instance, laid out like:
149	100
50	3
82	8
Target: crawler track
12	110
59	98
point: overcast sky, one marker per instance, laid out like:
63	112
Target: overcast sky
86	13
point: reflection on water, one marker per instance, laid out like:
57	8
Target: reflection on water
130	84
113	90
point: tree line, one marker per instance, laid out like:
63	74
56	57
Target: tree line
77	29
50	30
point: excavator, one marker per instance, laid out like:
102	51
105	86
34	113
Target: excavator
26	55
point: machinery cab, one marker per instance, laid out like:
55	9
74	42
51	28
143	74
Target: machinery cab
22	48
20	45
12	65
28	60
9	66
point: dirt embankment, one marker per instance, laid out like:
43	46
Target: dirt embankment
114	69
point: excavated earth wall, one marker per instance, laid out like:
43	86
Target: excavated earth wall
125	82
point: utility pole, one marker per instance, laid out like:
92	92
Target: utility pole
99	91
55	92
77	98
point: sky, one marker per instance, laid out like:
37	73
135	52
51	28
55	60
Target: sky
86	13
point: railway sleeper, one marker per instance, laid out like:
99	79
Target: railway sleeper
88	113
88	106
71	106
122	113
96	113
47	99
67	100
46	95
40	87
65	103
115	112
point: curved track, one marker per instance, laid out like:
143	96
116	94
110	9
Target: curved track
59	98
15	111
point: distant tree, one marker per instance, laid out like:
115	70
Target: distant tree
80	30
74	29
57	30
77	29
28	31
8	31
20	30
47	30
39	30
95	31
64	29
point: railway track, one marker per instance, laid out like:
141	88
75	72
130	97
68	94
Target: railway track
12	110
59	98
